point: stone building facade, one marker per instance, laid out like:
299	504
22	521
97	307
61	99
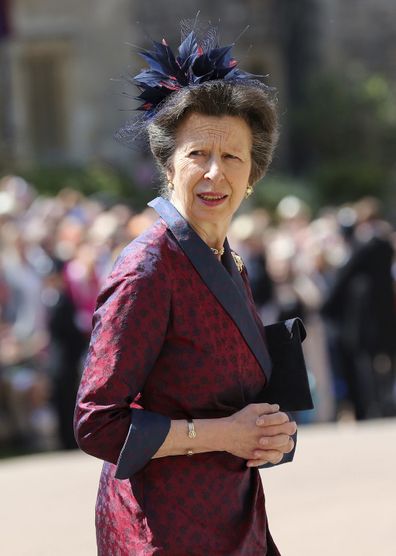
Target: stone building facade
359	33
59	105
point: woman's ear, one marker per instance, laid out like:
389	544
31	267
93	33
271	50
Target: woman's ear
169	174
169	185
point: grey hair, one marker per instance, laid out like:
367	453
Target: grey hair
249	100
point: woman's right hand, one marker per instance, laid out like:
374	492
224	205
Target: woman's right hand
259	432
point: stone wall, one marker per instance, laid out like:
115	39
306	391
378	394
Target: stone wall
359	33
61	57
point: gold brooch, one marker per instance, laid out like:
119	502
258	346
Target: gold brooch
238	261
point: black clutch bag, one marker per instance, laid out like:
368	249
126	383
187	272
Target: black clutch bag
288	385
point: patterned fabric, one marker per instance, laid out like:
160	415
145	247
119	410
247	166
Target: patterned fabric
231	293
163	348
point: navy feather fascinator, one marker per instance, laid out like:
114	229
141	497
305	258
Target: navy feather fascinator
193	65
198	60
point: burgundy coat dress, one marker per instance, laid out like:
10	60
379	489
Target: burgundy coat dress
175	335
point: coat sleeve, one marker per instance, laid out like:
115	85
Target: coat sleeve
287	458
129	328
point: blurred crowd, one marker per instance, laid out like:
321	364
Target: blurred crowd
337	271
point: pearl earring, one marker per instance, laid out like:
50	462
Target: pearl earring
170	185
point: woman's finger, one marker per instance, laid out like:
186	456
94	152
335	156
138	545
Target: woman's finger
256	462
288	428
273	456
277	418
266	408
278	441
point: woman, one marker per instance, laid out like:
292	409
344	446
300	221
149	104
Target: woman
177	366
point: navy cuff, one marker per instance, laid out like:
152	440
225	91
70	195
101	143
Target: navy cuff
146	434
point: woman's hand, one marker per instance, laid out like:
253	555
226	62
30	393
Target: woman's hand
275	440
260	433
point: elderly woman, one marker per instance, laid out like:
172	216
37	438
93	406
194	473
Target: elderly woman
173	392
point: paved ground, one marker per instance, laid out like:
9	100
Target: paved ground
337	499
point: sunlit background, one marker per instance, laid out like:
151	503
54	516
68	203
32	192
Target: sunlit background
317	237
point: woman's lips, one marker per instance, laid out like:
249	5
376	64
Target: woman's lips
212	199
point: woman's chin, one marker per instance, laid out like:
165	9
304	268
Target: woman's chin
213	214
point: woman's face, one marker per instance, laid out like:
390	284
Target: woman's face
210	168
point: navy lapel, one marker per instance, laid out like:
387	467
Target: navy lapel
229	263
226	284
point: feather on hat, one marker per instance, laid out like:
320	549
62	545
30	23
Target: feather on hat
193	65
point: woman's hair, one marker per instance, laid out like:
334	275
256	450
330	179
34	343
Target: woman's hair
247	100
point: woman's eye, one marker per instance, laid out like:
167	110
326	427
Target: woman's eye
231	156
197	153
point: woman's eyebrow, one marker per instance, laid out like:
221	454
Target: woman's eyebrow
200	144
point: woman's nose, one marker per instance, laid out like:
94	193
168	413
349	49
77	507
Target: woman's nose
214	170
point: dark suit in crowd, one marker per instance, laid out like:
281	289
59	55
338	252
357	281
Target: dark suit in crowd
361	318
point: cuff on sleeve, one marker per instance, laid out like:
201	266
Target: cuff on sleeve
146	434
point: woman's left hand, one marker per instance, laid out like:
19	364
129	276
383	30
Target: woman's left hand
276	441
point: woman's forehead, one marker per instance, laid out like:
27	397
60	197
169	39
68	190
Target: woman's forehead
232	131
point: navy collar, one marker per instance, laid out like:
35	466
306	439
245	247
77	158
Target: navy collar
225	282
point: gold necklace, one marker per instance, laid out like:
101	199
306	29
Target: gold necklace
217	252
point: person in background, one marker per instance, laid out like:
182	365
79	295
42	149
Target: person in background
360	308
67	344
